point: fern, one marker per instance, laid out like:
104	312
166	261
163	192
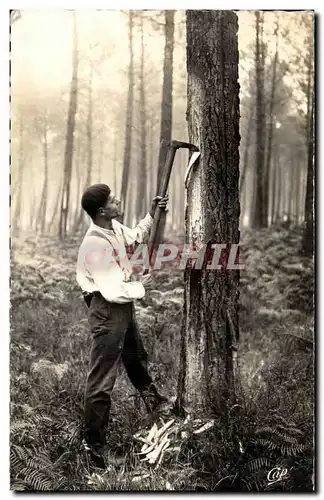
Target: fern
256	464
36	479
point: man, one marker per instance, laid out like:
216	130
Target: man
110	292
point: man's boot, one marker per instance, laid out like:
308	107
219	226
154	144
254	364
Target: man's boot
154	402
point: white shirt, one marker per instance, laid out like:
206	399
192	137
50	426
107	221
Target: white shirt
97	270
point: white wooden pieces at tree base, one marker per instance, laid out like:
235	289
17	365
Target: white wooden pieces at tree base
168	438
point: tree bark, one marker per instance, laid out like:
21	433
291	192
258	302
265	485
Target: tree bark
259	219
43	204
278	187
68	157
21	163
290	187
129	118
274	191
152	163
89	129
56	205
115	160
81	222
308	235
298	182
79	183
210	315
270	127
141	200
246	153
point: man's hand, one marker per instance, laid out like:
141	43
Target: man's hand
146	281
159	201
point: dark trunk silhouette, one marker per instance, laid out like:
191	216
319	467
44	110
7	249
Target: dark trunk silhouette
68	157
18	193
259	219
308	235
43	204
141	201
270	127
129	118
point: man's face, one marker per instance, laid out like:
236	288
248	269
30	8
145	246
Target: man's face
112	207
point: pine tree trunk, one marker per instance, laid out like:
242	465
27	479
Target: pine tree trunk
274	190
56	205
270	128
79	182
290	186
259	219
18	194
115	161
298	181
89	130
207	371
81	221
308	236
68	157
43	204
152	163
141	201
252	205
129	118
278	187
246	153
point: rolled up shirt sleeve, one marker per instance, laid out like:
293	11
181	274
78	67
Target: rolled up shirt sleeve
107	276
139	233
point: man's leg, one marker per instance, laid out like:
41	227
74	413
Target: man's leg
104	360
108	324
134	358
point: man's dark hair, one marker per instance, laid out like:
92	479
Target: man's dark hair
94	197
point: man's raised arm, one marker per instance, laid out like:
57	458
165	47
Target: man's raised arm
141	231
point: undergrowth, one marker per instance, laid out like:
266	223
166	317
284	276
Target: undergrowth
271	428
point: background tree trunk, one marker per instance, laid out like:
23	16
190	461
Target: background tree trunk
18	193
78	175
246	153
308	236
259	219
206	377
115	159
141	201
274	190
270	128
129	118
278	187
43	204
298	180
68	158
56	205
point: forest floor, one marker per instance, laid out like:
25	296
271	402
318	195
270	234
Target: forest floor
49	352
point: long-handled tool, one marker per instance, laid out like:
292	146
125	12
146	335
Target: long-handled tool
172	149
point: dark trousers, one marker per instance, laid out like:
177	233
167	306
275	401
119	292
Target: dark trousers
116	338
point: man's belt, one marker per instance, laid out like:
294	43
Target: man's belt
88	296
